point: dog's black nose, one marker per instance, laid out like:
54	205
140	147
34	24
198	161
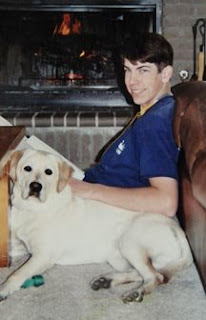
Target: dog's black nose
35	187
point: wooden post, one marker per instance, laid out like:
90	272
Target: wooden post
9	139
4	229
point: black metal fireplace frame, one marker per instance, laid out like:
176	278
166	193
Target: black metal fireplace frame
88	6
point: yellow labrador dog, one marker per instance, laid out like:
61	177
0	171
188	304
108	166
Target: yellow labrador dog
56	227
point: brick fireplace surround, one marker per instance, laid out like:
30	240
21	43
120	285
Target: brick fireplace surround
79	135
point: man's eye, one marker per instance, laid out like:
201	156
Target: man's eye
28	168
144	70
48	172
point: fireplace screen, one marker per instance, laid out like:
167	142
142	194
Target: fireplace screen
64	48
63	53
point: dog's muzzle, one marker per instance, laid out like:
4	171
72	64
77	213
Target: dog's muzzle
35	189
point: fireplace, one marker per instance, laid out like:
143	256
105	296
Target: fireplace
60	55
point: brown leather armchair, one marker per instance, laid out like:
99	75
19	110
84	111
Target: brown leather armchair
190	135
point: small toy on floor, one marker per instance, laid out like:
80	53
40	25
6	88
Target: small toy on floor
35	281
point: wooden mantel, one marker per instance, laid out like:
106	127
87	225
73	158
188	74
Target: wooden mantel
9	139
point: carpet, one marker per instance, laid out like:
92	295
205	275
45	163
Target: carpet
66	295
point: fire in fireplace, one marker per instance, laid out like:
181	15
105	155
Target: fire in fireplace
48	46
68	26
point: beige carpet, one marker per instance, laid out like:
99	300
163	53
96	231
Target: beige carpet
66	295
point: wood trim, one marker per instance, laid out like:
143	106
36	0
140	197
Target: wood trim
4	228
9	139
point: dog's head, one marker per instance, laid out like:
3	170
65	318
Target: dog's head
38	174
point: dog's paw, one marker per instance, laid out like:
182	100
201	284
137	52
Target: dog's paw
6	289
135	295
3	293
2	298
100	283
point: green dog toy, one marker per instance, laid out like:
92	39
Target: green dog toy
35	281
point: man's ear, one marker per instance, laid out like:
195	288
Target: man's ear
167	73
65	172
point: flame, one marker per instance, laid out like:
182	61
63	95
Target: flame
68	26
82	54
73	76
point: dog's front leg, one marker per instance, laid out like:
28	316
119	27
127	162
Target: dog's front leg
35	265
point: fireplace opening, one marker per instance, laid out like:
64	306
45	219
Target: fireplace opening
66	52
64	49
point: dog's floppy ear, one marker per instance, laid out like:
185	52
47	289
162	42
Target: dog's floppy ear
9	162
14	159
65	173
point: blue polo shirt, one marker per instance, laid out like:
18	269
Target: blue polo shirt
145	149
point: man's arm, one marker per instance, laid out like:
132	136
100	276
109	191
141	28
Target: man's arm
160	197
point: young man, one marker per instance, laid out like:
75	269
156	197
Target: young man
139	170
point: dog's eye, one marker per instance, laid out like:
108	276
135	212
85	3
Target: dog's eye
48	172
28	168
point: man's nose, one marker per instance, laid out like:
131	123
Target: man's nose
134	78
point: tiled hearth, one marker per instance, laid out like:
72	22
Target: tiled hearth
69	119
78	144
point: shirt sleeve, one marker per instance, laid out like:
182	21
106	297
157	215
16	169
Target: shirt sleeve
159	153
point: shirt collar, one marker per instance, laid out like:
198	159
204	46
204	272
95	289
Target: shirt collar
145	108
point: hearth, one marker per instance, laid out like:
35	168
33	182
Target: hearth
60	55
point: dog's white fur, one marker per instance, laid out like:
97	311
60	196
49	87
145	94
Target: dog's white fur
56	227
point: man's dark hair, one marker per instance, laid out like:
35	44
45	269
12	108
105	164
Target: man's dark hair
147	47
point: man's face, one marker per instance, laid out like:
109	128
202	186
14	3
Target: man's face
144	82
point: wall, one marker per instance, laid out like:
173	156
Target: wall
178	18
